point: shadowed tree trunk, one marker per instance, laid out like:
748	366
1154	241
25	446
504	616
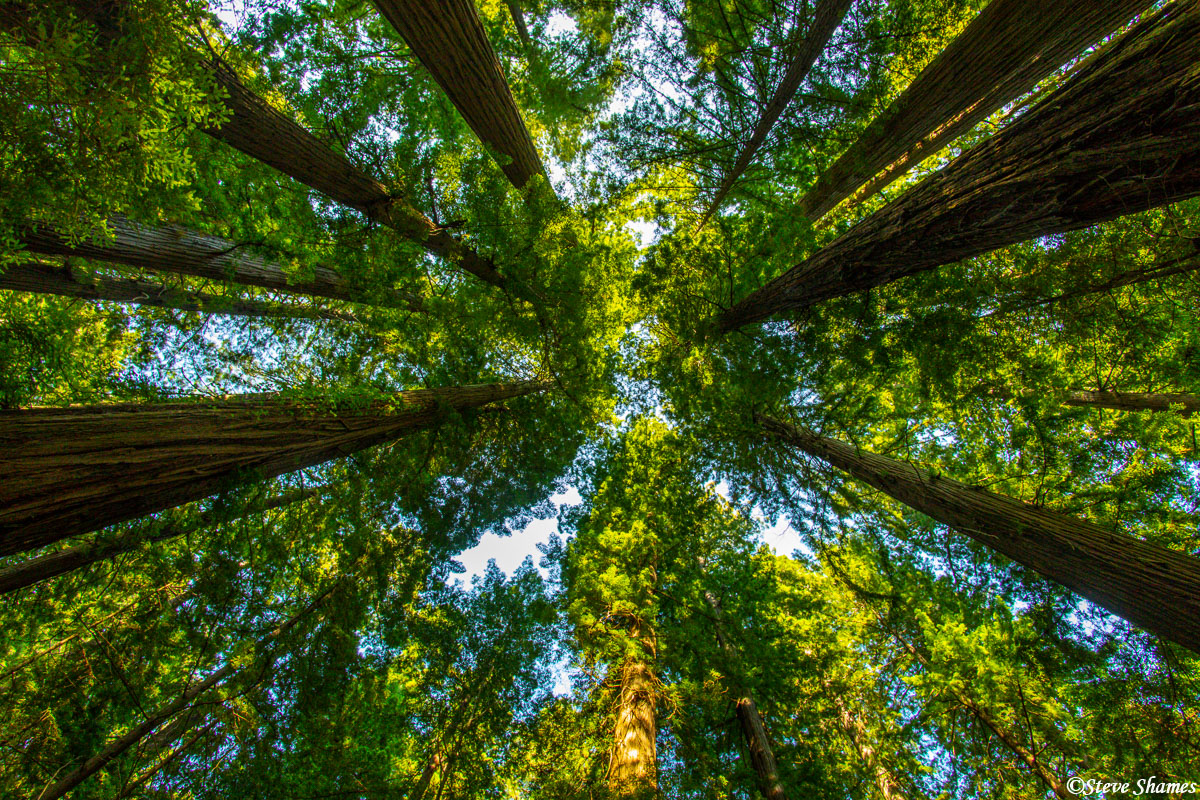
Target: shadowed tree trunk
762	756
180	251
164	713
448	39
633	770
1005	51
66	282
826	18
1123	135
514	9
51	565
1147	584
73	470
258	130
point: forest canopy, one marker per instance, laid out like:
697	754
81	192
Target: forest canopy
301	300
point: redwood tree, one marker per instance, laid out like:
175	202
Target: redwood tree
1123	135
77	469
1147	584
1005	51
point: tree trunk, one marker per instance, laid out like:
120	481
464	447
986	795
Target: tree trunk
258	130
448	39
633	771
1147	584
826	18
73	470
51	565
137	783
762	756
1004	53
854	729
65	282
1135	401
165	712
514	9
1123	135
183	252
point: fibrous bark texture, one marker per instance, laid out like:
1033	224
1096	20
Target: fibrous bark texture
448	38
1186	404
258	130
65	282
1123	135
633	771
826	18
73	470
184	252
51	565
163	714
1005	51
1151	586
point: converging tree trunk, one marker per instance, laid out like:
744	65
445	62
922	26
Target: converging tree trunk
762	756
164	713
51	565
180	251
1153	587
518	18
826	18
73	470
1005	51
633	770
448	39
1185	404
66	282
1123	135
258	130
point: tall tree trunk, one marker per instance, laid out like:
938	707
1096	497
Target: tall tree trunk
762	756
852	726
518	18
180	251
826	18
137	783
258	130
73	470
164	713
66	282
1147	584
1123	135
1005	51
633	770
448	38
1135	401
51	565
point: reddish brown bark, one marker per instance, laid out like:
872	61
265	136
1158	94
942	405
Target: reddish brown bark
1123	135
826	18
165	712
51	565
1153	587
258	130
633	770
73	470
65	282
1004	53
181	251
448	39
